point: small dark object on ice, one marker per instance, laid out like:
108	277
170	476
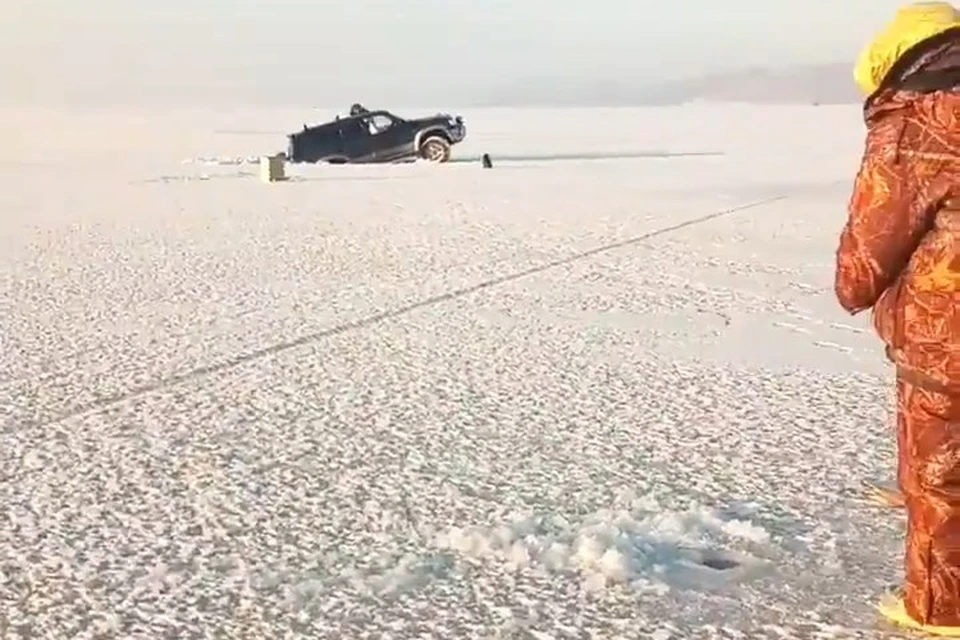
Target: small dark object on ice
486	161
720	564
718	561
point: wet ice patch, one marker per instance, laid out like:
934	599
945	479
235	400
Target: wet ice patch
313	592
222	161
640	545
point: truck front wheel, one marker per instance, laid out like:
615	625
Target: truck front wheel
435	149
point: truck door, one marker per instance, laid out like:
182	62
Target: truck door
393	138
358	144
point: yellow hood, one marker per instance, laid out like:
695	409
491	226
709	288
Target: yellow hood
912	25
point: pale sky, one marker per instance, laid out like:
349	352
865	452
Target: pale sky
338	51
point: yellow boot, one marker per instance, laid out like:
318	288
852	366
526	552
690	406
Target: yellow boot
893	609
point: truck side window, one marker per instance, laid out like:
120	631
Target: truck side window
379	124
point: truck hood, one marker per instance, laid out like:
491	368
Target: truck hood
439	119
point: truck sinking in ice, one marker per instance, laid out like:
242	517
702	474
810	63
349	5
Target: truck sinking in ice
367	136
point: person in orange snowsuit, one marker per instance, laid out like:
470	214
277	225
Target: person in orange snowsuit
899	254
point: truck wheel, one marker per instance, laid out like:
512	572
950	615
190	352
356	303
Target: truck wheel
435	149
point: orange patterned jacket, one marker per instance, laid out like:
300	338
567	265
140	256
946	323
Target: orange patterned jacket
900	249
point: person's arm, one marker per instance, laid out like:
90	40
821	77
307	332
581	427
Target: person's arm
882	228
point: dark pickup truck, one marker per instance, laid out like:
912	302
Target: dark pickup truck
376	136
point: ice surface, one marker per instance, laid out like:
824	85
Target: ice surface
437	401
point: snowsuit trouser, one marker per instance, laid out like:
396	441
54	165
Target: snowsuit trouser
928	424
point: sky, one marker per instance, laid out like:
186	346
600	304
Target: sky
340	51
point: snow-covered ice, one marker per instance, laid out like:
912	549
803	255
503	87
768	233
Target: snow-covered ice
419	401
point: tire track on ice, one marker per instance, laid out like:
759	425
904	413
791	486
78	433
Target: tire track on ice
51	367
377	318
71	357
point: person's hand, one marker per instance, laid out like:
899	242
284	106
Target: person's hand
891	353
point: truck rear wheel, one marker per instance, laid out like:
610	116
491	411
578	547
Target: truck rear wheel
435	149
